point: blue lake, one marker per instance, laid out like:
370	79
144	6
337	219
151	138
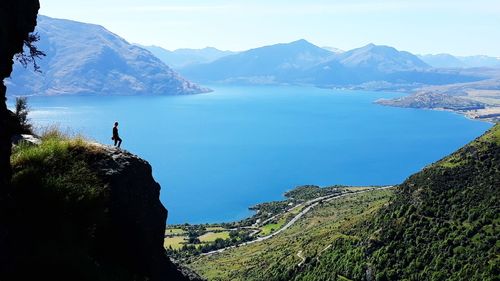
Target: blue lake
217	154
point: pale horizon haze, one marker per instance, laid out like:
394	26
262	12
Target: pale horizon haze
422	27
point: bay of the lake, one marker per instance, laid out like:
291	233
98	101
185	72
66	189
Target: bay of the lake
216	154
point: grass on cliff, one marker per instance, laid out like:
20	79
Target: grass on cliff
55	144
58	165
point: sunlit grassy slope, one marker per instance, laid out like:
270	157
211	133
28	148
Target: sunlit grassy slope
311	235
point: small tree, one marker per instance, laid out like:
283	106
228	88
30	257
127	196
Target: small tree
30	52
22	110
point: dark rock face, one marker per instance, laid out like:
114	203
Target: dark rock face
17	20
137	217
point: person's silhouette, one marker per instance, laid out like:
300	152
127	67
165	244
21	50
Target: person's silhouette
116	136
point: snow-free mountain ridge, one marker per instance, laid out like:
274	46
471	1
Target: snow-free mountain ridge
184	57
88	59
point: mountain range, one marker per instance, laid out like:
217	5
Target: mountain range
269	64
88	59
181	58
301	62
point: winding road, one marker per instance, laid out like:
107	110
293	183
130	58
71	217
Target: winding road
310	205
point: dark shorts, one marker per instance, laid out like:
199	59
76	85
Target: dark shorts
118	140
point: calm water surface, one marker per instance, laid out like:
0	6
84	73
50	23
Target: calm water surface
217	154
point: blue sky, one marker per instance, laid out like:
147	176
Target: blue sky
420	26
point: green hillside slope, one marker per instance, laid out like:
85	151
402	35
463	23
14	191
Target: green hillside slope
440	224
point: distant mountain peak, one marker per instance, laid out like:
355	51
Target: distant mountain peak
297	46
374	47
381	57
301	41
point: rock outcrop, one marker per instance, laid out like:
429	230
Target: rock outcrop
80	211
138	218
25	139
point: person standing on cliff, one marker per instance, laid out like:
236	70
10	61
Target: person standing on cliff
116	136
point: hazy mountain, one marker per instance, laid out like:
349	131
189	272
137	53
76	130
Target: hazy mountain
442	61
88	59
300	62
381	58
480	61
450	61
367	64
184	57
334	50
269	64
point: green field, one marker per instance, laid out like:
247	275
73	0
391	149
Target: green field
175	231
272	227
312	234
296	210
215	228
176	242
211	236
